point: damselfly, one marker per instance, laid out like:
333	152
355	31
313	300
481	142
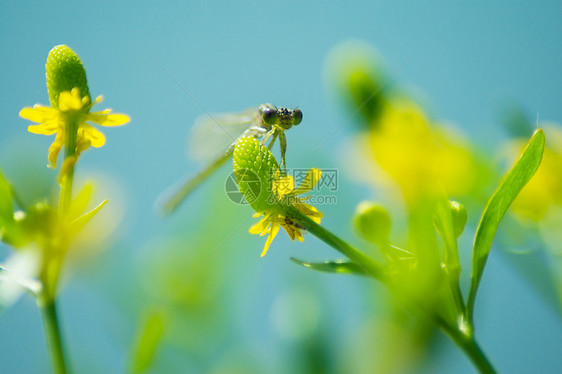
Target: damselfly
266	122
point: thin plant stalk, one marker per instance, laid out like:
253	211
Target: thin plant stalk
67	170
47	298
466	342
51	325
365	262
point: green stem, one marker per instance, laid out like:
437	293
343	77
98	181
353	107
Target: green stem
67	170
52	332
66	192
365	262
454	285
471	300
467	343
51	268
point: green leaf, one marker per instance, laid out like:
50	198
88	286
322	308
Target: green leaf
497	206
446	229
81	201
6	208
336	266
80	222
147	342
10	230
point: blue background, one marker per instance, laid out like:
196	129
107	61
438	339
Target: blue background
466	59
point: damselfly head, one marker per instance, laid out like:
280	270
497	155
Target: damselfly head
281	117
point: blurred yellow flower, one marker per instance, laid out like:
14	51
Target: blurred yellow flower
417	153
284	189
544	190
71	107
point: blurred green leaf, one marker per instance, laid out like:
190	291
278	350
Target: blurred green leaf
41	221
6	208
80	222
497	206
10	230
446	229
81	201
336	266
147	342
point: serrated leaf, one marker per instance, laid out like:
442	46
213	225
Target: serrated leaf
336	266
497	206
79	223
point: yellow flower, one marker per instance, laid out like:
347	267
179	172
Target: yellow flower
543	193
284	190
415	152
71	109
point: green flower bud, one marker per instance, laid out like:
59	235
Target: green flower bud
356	70
64	72
255	169
372	221
458	213
364	93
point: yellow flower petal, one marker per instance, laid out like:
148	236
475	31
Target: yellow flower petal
259	227
55	148
104	119
309	211
81	145
46	128
310	181
39	113
317	219
87	132
272	234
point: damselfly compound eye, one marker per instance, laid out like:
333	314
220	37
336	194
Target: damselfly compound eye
297	117
269	114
